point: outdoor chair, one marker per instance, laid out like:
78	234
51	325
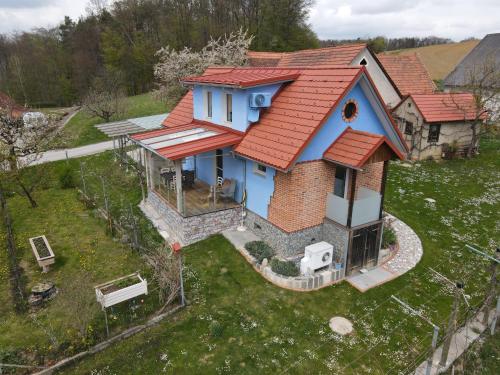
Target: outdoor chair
228	189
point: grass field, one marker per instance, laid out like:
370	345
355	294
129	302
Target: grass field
86	255
442	58
80	130
237	322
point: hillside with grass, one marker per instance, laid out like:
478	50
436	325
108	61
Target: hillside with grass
440	59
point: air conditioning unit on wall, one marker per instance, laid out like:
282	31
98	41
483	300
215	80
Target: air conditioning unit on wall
316	256
260	100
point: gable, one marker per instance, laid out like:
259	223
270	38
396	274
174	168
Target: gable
369	119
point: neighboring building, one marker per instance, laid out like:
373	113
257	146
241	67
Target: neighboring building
10	105
299	155
408	72
343	55
437	124
469	74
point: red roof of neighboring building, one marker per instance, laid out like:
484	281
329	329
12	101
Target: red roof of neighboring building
353	148
338	55
187	140
408	72
7	103
443	107
246	77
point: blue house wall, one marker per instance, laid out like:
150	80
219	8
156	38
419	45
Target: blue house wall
241	105
259	189
366	120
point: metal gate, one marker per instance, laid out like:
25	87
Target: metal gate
364	248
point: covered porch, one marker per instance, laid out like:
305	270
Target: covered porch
185	168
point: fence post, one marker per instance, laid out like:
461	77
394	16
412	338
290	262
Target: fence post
494	322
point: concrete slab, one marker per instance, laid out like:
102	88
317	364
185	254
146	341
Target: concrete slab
370	279
240	239
340	325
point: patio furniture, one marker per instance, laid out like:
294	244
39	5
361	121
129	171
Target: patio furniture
228	189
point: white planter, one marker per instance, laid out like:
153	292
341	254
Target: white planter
108	296
46	261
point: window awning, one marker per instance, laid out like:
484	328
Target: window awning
354	149
187	140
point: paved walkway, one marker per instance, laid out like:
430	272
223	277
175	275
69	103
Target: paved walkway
77	152
409	254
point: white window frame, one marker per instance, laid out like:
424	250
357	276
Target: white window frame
225	105
206	111
256	169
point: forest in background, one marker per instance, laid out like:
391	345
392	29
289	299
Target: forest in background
57	66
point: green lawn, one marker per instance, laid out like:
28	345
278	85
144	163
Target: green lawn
268	330
80	130
86	255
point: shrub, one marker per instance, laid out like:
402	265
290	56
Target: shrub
216	329
284	267
388	238
259	250
67	178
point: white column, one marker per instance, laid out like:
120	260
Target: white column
178	185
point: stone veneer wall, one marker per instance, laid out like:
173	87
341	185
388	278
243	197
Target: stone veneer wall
188	230
291	244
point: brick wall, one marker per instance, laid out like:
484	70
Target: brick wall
299	199
370	177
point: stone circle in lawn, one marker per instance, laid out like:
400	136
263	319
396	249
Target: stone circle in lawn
340	325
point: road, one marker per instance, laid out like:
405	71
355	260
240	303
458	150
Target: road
77	152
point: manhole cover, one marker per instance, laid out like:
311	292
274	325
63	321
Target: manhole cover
340	325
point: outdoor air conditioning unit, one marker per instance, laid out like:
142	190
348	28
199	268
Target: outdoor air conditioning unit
317	256
260	100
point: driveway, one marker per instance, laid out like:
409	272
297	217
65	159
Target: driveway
77	152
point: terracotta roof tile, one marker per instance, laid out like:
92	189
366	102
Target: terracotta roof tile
439	107
182	114
246	77
408	72
295	115
353	147
338	55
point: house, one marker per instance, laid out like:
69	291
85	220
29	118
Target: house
439	125
298	155
344	55
10	105
479	72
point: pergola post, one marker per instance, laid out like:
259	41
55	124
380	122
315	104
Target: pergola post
178	185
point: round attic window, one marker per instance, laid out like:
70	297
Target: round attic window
350	111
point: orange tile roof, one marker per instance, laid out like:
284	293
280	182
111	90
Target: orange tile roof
353	148
182	114
338	55
408	72
439	107
296	114
246	77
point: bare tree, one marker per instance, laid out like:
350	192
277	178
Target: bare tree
166	271
175	65
483	82
21	143
106	98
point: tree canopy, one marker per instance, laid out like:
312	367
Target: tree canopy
57	66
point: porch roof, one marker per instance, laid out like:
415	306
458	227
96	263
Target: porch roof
354	148
187	140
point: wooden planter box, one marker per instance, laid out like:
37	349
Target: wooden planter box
43	252
113	292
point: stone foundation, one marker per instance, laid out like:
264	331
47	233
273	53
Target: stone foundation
290	245
187	230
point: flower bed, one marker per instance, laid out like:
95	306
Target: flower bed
42	251
121	289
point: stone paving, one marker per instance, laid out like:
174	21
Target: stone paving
409	254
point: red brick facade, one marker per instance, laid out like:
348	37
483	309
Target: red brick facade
370	177
299	199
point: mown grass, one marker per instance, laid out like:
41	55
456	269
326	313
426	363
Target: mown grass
86	255
268	330
81	130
